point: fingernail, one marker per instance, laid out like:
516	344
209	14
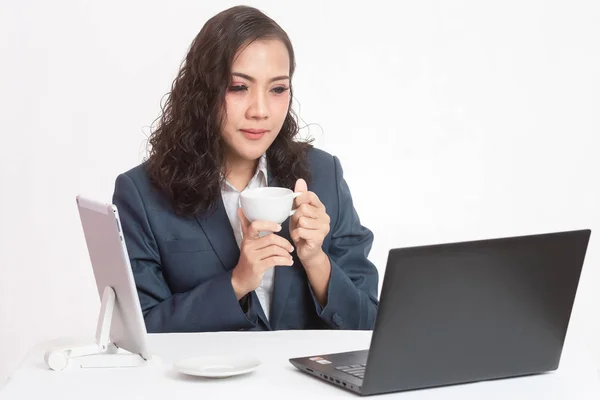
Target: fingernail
291	249
278	228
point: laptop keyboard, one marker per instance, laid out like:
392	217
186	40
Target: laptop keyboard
357	370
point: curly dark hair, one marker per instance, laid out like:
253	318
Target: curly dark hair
187	151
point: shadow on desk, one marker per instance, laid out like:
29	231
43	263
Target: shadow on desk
173	374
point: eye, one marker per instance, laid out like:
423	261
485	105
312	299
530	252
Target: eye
238	88
280	89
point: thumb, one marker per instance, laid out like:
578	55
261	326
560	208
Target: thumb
301	186
243	220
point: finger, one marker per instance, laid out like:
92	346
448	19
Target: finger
307	210
300	186
274	240
315	201
272	251
262	226
309	198
307	234
243	221
309	223
274	262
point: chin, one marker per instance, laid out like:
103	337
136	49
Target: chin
253	155
253	152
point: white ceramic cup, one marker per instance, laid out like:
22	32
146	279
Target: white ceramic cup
273	204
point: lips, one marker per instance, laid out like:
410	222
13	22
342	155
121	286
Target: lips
254	134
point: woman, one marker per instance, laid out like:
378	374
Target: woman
199	265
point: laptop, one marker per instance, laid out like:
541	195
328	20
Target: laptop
464	312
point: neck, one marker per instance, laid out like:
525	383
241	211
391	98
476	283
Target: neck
239	172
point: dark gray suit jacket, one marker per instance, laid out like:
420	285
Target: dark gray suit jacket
182	266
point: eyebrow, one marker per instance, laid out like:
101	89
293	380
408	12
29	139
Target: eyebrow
251	79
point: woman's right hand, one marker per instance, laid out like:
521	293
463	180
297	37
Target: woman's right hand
258	254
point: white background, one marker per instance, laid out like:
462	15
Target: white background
454	120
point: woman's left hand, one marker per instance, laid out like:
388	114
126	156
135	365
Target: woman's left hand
309	225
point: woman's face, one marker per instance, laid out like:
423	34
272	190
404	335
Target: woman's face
257	101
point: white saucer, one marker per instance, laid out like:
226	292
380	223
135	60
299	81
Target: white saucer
216	366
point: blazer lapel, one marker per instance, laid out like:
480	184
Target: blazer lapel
219	232
284	275
259	311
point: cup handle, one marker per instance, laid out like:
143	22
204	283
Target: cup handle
295	195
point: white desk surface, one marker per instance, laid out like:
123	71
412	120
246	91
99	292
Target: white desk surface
577	377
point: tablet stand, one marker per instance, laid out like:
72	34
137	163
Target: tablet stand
103	354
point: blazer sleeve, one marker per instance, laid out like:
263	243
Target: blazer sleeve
210	306
353	284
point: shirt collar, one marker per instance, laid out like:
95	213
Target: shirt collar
262	166
261	169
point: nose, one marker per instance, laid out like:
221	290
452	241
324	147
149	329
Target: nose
258	108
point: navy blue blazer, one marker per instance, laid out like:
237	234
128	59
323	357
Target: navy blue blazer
182	265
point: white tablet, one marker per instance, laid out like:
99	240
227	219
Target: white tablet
110	262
